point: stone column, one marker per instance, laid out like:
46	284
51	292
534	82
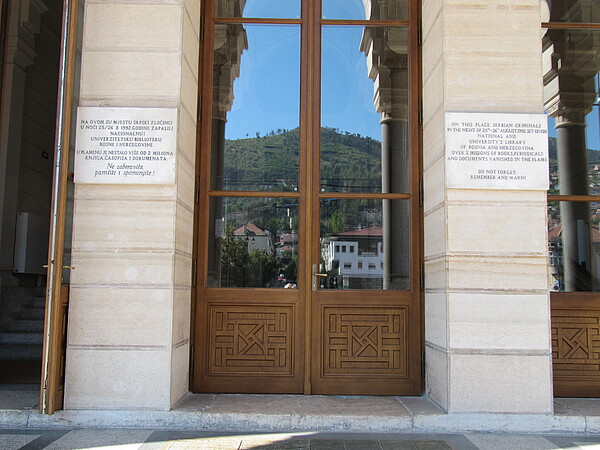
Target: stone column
487	325
129	317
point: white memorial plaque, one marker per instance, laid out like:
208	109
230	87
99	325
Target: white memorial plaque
497	151
125	145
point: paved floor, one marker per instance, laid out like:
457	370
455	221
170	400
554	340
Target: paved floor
294	422
122	439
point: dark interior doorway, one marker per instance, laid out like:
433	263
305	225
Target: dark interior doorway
31	36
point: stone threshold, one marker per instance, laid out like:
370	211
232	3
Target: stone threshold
289	413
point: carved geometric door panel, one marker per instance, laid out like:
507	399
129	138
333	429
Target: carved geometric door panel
576	345
250	339
365	349
254	344
368	340
308	223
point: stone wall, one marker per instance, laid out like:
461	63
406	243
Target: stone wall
486	302
129	318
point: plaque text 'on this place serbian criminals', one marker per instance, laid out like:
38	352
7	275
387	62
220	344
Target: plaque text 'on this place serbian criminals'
496	151
125	145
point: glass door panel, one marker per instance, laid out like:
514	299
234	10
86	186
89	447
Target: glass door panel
254	243
255	108
364	110
365	244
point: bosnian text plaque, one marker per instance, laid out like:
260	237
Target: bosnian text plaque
125	145
497	151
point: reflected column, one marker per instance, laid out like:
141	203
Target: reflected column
215	225
575	216
570	92
392	98
396	220
230	42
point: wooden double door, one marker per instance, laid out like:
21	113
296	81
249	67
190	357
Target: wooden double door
308	220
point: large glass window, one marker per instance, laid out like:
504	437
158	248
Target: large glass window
283	100
571	57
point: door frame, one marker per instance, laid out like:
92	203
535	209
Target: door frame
57	293
310	62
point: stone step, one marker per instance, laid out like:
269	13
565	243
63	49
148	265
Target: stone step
39	302
20	325
20	352
32	313
22	338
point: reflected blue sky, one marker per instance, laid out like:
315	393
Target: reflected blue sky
267	91
290	9
280	9
343	9
346	89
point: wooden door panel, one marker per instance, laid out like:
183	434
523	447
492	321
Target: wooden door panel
253	345
363	341
576	344
252	339
365	347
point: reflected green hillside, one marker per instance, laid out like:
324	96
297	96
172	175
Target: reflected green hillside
271	162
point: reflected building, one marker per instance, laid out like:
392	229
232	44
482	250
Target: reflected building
354	259
256	237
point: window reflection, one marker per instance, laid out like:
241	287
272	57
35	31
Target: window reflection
253	242
365	9
256	103
365	244
574	268
571	101
275	9
578	11
364	134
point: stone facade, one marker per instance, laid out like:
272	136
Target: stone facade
487	323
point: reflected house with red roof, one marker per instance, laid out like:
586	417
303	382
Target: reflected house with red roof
258	239
354	259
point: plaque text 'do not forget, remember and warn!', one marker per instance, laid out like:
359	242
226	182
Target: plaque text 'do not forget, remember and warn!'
497	151
125	145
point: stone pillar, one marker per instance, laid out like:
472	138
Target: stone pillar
487	326
129	317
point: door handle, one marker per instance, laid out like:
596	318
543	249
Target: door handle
315	275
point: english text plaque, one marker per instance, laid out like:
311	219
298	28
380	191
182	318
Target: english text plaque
125	145
496	151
